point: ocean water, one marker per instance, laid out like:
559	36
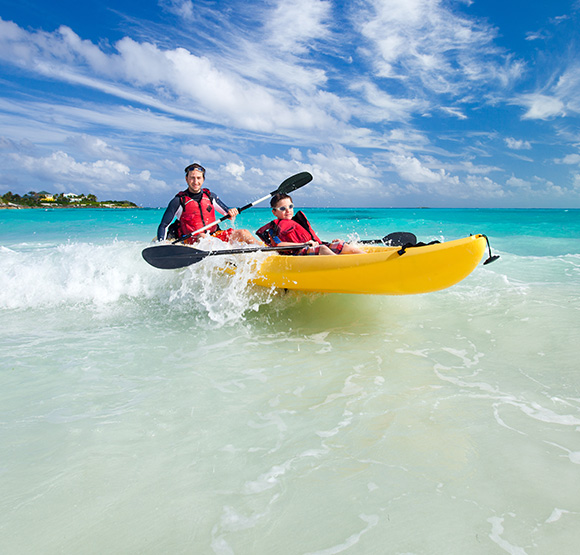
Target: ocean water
149	411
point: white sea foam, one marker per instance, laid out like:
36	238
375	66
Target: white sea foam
497	530
556	515
74	273
83	274
370	520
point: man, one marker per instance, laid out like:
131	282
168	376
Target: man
195	208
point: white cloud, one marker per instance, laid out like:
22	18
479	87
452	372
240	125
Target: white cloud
518	183
411	169
295	26
382	106
198	88
425	42
97	147
183	9
336	160
101	175
482	187
570	159
455	112
541	106
517	144
538	187
557	100
226	93
236	169
462	166
568	88
179	81
439	182
537	35
54	124
295	154
204	153
340	177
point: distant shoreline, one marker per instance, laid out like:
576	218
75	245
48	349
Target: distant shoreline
51	206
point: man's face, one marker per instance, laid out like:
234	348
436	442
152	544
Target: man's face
194	180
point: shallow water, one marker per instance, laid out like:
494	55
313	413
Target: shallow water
147	411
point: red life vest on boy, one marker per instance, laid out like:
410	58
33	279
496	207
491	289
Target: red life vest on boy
296	230
196	214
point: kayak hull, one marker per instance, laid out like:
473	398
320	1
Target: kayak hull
380	271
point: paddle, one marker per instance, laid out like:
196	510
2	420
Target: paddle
287	186
395	239
171	257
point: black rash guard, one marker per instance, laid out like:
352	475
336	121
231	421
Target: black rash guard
174	210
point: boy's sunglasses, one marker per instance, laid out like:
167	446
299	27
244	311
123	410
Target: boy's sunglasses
284	208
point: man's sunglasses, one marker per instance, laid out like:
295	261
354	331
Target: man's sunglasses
194	167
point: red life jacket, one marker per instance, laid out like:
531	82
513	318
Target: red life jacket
296	230
196	214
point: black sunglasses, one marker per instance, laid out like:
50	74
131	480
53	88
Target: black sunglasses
193	167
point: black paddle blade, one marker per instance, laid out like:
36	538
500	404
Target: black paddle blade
400	239
171	257
395	239
293	182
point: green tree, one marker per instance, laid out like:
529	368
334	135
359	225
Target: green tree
61	199
12	197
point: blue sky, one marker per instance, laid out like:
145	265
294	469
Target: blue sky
386	102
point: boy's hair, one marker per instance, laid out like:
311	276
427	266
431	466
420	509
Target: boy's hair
277	198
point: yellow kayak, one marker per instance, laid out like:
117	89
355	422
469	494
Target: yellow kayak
381	271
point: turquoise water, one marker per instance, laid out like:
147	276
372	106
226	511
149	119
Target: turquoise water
149	411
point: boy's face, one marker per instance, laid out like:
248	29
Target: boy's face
284	210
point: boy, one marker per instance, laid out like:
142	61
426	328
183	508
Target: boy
288	229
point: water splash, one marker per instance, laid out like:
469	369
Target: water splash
100	276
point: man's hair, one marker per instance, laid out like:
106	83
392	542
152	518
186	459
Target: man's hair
195	166
277	198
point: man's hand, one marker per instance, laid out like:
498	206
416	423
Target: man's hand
232	213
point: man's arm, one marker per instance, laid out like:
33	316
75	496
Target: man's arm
219	206
173	210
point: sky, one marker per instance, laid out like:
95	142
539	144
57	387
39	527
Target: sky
387	103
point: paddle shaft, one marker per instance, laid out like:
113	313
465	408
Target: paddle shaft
243	250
